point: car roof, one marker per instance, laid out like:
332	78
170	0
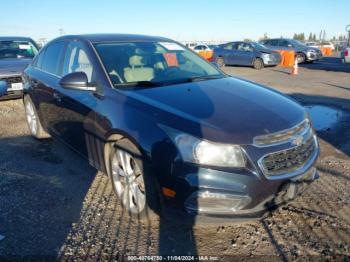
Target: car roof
97	38
15	38
281	38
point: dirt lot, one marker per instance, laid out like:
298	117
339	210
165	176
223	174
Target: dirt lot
52	204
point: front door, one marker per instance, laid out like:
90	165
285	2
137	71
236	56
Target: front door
76	108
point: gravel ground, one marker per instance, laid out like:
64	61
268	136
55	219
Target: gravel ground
54	205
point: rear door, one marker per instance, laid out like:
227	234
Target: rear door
44	78
230	53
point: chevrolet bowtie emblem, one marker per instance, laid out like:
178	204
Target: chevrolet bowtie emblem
297	141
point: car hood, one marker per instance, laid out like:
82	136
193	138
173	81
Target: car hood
305	48
13	66
265	50
226	110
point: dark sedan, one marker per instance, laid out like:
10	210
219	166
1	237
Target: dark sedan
15	54
175	134
303	52
245	54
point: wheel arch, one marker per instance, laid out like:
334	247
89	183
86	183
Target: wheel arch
111	139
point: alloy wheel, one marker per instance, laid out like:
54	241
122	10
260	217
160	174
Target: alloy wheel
128	181
301	58
31	118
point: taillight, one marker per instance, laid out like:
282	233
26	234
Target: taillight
346	52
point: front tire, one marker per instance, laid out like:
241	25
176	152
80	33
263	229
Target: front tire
132	181
258	63
301	58
35	127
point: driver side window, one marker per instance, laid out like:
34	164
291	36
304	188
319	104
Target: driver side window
77	60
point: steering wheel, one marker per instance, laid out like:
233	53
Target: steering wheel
172	71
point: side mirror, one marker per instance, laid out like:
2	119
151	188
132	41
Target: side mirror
76	81
3	88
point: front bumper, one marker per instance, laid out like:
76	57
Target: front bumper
261	204
12	95
312	56
272	60
205	193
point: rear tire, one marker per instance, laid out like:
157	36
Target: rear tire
132	181
258	63
35	127
220	61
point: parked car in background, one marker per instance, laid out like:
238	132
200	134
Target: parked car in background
201	47
345	55
175	134
312	44
204	47
15	54
246	54
327	45
303	52
191	45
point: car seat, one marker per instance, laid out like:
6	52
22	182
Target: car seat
137	70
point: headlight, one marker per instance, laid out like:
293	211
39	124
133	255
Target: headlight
204	152
266	57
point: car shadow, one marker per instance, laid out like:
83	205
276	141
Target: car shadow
333	64
338	86
42	190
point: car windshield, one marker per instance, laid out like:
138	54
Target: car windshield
17	49
153	64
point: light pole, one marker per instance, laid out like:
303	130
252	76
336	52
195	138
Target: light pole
347	28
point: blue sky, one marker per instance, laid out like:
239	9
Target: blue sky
180	19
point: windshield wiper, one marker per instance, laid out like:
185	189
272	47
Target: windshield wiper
202	78
139	84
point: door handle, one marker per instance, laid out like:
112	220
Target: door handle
57	97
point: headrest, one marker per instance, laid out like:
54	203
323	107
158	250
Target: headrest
136	60
82	58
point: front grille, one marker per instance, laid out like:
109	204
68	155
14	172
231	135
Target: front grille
289	160
12	80
283	136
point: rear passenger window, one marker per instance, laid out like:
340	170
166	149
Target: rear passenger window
39	60
52	58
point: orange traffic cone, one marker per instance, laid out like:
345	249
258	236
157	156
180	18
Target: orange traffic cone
295	67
